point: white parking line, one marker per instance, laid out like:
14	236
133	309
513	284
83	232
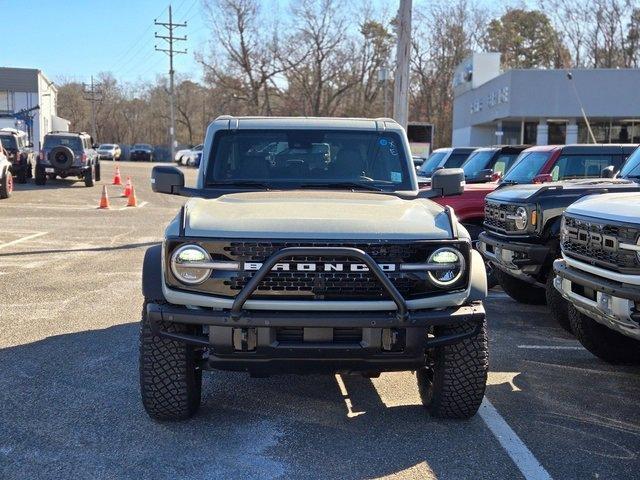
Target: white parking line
23	239
523	458
550	347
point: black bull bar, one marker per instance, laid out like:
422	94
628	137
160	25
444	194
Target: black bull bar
237	316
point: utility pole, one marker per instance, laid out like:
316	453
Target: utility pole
171	51
93	94
401	78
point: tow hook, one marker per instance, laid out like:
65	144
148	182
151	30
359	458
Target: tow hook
244	339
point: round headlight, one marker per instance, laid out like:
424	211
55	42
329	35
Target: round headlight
186	264
450	266
521	218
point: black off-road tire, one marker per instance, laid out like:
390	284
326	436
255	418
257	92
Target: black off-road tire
170	377
521	292
6	184
558	306
21	177
88	177
607	344
97	171
41	176
453	387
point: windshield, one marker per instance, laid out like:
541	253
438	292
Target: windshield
106	146
631	169
583	166
52	141
142	146
431	163
294	158
8	142
478	160
526	167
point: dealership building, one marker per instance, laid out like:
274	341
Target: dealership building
28	102
543	107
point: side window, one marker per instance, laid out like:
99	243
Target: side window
583	166
456	160
503	163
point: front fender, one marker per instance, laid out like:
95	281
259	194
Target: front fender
478	278
152	274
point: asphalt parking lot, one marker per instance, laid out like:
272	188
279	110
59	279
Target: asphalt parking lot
71	300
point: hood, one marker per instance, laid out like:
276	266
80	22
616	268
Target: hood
325	215
525	192
620	207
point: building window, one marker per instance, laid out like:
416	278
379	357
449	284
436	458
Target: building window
530	136
614	131
6	101
557	133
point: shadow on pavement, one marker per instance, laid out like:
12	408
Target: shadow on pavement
127	246
71	409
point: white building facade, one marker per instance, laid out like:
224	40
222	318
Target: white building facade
28	102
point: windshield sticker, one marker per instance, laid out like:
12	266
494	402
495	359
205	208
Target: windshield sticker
383	142
396	177
392	148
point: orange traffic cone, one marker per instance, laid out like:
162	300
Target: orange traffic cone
127	188
133	201
116	178
104	199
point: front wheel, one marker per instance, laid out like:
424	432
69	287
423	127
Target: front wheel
521	292
88	177
453	385
170	375
558	306
6	184
41	176
607	344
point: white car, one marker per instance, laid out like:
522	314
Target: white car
180	154
109	151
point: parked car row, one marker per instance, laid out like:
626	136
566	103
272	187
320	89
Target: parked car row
573	243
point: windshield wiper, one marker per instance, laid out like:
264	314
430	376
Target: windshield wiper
242	183
341	185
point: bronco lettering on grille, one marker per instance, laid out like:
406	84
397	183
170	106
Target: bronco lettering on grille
320	267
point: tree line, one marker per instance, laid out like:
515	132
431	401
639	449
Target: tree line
323	58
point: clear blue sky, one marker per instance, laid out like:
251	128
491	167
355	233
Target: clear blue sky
72	39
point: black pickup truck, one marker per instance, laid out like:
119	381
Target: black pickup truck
522	233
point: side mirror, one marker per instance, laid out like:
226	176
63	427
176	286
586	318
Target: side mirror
417	161
167	179
495	176
446	182
95	145
608	172
30	145
543	178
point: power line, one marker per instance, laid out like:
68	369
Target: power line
171	51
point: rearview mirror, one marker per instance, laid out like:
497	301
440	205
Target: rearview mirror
167	179
446	182
608	172
543	178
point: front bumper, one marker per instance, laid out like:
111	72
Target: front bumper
521	260
248	339
610	303
253	343
106	156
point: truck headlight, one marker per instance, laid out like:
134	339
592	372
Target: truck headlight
189	264
521	218
447	266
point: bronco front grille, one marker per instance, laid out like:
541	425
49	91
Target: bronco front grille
598	243
495	216
323	285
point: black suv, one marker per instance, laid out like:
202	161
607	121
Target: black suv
66	154
20	153
490	163
522	232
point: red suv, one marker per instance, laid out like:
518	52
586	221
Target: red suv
548	163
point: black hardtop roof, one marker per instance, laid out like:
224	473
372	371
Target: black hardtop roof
504	148
603	149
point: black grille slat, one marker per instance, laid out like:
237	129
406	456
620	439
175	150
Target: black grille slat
620	260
